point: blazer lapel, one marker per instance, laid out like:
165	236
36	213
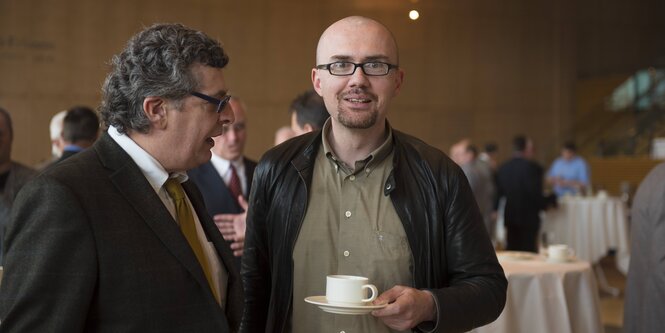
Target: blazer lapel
223	196
211	175
130	181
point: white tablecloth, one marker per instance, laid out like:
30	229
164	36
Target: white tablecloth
546	297
591	226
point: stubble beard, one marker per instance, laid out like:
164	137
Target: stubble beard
356	119
351	119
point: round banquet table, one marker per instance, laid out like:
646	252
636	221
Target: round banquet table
547	297
591	226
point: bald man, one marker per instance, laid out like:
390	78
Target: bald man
360	198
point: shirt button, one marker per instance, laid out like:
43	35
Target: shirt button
347	214
367	170
388	187
352	177
347	253
342	332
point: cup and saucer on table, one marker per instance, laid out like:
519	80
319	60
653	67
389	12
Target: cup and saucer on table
346	294
560	253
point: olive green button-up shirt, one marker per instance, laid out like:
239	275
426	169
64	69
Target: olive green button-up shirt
350	228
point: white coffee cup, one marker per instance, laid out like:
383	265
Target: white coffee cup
559	252
602	194
349	290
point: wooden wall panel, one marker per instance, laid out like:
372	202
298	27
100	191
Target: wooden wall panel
610	173
480	69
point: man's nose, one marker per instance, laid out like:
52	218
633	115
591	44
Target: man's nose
226	116
358	78
231	134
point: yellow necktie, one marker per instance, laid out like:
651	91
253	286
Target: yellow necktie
188	228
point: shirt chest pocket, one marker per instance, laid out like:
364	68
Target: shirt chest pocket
392	246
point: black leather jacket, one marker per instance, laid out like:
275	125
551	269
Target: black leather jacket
453	256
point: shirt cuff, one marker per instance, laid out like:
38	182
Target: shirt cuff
431	326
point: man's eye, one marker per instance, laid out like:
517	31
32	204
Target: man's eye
341	65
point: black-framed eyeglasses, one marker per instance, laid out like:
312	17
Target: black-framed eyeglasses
371	68
221	103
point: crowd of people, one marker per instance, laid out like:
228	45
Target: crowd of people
160	223
518	187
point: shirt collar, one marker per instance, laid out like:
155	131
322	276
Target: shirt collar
151	168
223	165
375	157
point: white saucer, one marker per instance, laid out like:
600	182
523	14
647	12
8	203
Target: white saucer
322	302
562	260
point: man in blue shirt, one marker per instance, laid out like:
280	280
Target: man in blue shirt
569	174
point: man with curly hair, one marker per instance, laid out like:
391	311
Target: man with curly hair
115	238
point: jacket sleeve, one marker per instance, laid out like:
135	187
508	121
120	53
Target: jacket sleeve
475	291
50	270
255	269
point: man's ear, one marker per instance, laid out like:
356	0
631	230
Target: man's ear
316	81
155	109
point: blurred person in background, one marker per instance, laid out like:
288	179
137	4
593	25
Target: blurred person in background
489	155
308	113
520	181
480	177
80	129
55	133
569	174
644	311
13	175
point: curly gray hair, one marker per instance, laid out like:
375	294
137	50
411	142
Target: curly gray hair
156	62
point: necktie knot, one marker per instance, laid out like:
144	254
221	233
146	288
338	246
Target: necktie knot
174	189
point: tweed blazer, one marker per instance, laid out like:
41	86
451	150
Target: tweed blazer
91	248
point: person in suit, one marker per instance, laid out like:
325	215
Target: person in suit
226	179
13	175
645	296
80	129
481	180
115	238
520	181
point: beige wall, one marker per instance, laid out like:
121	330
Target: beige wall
480	69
